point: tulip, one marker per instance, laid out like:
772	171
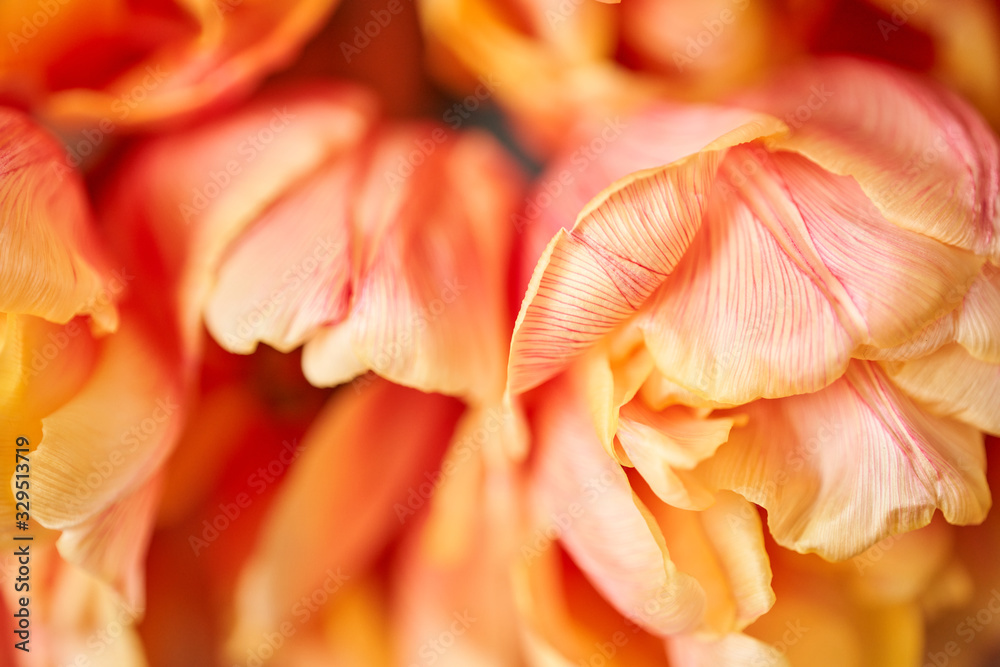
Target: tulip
381	249
801	263
93	402
106	65
610	573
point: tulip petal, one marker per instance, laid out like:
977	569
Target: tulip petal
741	317
611	380
289	274
898	281
191	194
50	263
731	650
926	159
953	383
842	468
316	524
112	545
110	437
613	537
428	302
625	243
42	365
722	547
328	358
978	326
565	621
664	445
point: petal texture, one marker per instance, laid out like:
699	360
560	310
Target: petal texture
840	469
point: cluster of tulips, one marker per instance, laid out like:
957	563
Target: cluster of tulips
488	333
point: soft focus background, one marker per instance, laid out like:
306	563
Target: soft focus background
296	508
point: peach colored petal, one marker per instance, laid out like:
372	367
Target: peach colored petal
925	158
289	273
898	281
624	244
85	613
50	262
316	526
658	135
607	530
925	341
428	294
742	316
460	583
111	436
953	383
840	469
796	265
664	445
722	547
733	649
978	326
190	195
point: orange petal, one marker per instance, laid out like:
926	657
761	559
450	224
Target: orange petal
926	159
50	262
612	374
842	468
722	547
316	524
953	383
428	306
624	244
123	65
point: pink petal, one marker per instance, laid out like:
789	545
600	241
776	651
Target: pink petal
926	159
624	244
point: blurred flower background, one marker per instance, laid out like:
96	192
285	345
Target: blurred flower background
554	333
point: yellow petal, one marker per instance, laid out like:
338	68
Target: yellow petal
111	436
664	445
51	265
